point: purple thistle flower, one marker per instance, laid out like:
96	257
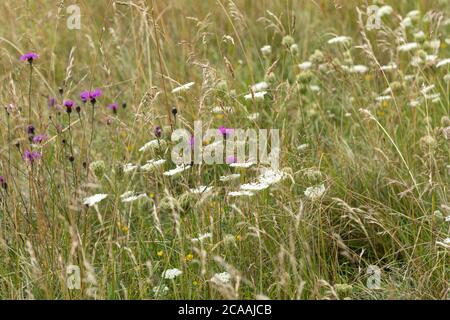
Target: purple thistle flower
158	132
3	182
93	95
84	95
30	130
51	102
30	56
69	105
31	156
225	131
113	107
39	138
230	159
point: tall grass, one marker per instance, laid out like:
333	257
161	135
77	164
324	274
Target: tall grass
384	162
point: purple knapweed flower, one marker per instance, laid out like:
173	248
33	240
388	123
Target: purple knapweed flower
39	138
31	156
69	105
225	131
3	182
230	160
30	130
113	107
93	95
158	132
51	102
90	95
84	96
30	57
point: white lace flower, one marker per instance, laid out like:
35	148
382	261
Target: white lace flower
184	87
414	14
384	10
253	116
271	176
383	98
260	86
408	46
242	164
340	39
92	200
221	278
171	273
257	95
254	186
241	194
266	50
176	170
389	67
202	237
230	177
443	63
434	44
130	196
153	144
201	189
315	192
160	290
152	164
358	68
129	167
305	65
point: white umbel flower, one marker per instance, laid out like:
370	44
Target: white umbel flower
221	278
443	63
270	176
184	87
408	46
384	11
257	95
266	50
242	164
151	145
244	193
176	170
130	196
305	65
315	192
171	273
201	189
202	237
389	67
383	98
230	177
340	39
358	68
260	86
152	164
254	186
160	290
129	167
414	14
253	116
93	200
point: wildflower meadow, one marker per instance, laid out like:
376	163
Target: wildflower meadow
225	149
